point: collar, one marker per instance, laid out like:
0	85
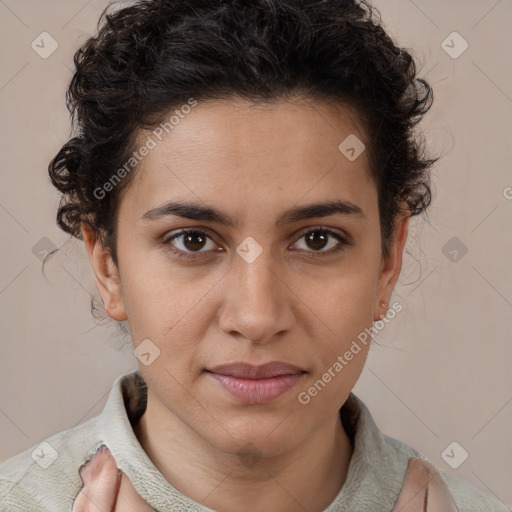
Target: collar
376	469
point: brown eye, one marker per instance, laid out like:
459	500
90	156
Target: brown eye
194	240
187	242
316	240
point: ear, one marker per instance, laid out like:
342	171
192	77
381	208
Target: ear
391	266
106	274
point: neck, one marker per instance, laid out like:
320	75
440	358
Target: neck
308	477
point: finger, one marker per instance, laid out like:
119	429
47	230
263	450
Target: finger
101	484
424	490
414	488
128	500
439	496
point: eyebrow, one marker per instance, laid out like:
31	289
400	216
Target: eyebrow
199	212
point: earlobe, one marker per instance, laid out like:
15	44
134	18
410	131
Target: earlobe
391	267
106	274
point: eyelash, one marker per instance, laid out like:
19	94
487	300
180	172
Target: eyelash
198	254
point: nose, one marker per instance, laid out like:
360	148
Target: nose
258	303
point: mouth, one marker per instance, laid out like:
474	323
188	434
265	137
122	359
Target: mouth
263	371
256	384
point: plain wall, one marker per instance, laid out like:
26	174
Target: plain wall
441	369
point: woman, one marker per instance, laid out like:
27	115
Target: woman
242	176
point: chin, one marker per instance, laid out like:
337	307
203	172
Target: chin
253	442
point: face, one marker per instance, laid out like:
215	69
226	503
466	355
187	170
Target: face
257	277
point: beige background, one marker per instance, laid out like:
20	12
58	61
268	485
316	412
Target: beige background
441	372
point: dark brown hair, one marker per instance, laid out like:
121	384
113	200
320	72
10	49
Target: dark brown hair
155	55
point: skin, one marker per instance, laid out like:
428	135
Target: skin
423	489
104	490
253	163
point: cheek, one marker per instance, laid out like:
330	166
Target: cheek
346	308
174	312
348	295
341	354
158	304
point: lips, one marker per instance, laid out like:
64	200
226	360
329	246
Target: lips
263	371
251	384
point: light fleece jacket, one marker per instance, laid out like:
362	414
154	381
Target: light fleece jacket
45	478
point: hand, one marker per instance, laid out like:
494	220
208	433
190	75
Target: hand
106	488
424	490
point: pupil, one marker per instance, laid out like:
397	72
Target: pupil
189	241
318	242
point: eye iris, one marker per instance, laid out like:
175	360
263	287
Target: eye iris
321	240
191	241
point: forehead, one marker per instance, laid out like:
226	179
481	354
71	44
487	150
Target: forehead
236	151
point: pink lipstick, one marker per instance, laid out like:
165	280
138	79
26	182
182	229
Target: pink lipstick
256	384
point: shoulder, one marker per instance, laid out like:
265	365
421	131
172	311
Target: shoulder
387	460
467	497
45	478
471	499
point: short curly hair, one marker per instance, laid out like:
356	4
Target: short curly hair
155	55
